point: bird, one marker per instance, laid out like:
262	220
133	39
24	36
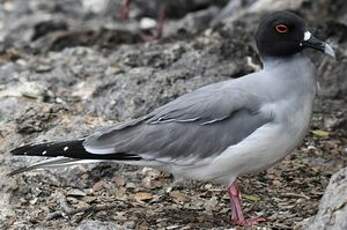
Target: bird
220	131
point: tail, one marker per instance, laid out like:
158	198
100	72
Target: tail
51	163
72	149
65	153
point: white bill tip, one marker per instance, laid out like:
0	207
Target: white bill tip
329	50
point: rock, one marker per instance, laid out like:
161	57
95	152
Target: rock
96	6
44	26
232	9
273	5
333	206
179	197
143	196
92	225
192	23
174	9
76	193
165	72
31	90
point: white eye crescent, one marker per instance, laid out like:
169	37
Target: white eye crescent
307	35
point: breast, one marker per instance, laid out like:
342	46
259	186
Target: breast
292	99
268	144
299	117
258	151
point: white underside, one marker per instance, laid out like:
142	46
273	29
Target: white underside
263	148
258	151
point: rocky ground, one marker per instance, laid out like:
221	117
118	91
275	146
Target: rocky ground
68	67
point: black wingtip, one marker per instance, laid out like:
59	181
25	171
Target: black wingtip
21	151
71	149
51	149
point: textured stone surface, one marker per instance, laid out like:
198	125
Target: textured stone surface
332	211
92	225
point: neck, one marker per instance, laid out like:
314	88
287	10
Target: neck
273	61
296	69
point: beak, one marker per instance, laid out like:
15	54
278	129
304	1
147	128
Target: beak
315	43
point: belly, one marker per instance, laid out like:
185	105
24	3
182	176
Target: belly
262	149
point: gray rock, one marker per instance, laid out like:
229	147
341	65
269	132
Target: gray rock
192	23
233	8
173	9
92	225
332	214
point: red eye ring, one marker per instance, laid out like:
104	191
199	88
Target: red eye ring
281	28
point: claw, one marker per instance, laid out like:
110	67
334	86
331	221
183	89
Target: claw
248	222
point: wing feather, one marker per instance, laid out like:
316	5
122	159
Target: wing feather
194	126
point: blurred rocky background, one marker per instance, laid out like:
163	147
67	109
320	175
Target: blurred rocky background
70	66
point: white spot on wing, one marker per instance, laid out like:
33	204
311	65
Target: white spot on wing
66	148
44	152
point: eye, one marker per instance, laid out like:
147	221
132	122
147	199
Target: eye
281	28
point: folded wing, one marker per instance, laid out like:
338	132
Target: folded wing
191	128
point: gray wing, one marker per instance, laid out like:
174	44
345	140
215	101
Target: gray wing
194	126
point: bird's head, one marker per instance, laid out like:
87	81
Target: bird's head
284	33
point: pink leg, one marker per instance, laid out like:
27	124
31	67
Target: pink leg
124	12
159	28
237	217
161	20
